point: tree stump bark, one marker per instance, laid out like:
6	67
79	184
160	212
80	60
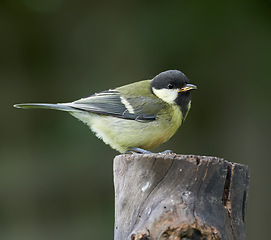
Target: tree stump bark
160	196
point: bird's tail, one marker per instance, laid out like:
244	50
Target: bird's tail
58	106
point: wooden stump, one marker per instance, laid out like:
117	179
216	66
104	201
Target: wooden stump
179	197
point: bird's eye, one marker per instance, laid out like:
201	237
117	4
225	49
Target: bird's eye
170	86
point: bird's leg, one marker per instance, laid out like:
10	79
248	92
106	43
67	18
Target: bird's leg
143	151
137	150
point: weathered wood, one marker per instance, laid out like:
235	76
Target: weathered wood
179	197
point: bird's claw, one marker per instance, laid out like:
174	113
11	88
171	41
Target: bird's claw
166	152
135	150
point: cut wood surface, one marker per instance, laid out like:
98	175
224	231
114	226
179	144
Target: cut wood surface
169	196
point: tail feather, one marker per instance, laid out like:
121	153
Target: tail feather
58	106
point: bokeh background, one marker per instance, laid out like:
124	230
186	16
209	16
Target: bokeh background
55	175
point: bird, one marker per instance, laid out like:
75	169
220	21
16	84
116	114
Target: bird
136	117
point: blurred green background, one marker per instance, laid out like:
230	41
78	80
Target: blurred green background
55	175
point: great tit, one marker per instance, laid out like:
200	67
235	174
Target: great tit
135	117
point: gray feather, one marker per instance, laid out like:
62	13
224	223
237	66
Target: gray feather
58	106
108	103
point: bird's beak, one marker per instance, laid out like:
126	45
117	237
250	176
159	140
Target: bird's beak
187	87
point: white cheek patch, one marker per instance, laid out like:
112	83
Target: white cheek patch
167	95
127	105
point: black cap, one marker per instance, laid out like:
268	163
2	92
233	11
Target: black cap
169	79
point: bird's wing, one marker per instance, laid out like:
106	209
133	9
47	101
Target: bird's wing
113	103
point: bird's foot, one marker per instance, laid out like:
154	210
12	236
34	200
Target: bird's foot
137	150
166	152
134	150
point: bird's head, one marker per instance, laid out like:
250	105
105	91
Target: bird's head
171	86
